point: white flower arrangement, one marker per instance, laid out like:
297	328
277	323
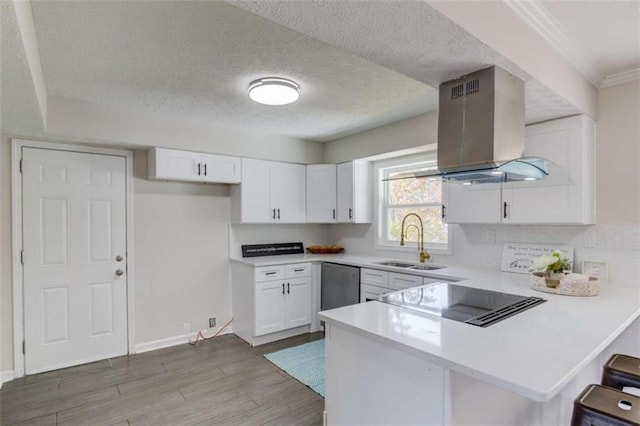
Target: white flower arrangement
552	263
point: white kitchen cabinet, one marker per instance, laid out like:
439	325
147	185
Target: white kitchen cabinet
567	142
471	203
403	281
297	307
173	164
288	188
270	305
370	292
355	192
271	192
374	277
321	193
375	282
272	302
282	304
570	144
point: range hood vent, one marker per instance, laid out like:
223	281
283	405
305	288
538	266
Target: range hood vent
481	132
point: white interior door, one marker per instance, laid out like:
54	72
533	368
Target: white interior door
74	241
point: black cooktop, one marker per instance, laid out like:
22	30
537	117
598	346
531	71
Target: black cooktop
465	304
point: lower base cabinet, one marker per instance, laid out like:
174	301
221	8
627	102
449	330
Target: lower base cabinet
273	302
282	304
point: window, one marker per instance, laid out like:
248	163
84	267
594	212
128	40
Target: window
399	197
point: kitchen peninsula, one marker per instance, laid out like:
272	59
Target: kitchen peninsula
389	365
386	364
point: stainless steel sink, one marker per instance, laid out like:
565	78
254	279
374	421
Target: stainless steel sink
401	264
425	267
396	263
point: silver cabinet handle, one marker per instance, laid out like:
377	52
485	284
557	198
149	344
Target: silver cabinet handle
278	213
350	213
119	272
118	258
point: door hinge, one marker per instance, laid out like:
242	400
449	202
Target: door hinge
22	257
24	346
20	166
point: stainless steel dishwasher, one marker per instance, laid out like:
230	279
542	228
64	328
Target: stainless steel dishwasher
340	285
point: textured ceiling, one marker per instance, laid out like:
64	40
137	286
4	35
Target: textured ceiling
195	60
407	36
19	110
361	64
608	31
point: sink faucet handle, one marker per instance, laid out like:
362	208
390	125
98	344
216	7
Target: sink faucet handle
424	256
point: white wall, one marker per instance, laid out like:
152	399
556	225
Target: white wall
181	255
76	120
618	154
618	205
6	308
406	135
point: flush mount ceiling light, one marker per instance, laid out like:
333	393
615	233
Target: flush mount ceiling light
274	91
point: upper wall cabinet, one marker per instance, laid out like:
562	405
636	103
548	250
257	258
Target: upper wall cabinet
570	144
172	164
472	203
355	192
321	193
271	192
567	142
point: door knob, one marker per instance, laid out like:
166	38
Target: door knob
118	258
119	272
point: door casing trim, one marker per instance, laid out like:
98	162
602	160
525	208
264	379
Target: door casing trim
16	238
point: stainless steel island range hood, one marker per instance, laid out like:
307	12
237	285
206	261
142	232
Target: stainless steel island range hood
481	132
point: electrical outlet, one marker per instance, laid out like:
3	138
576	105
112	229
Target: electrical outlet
491	237
186	328
590	239
212	322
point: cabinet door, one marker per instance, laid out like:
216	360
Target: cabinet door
568	143
370	292
298	302
176	165
288	186
345	192
256	191
321	193
220	168
270	307
402	281
471	203
362	192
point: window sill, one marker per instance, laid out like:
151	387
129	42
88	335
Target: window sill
407	249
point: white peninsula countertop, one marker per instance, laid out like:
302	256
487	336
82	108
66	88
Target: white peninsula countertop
534	353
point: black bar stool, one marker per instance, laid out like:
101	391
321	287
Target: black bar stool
621	371
602	406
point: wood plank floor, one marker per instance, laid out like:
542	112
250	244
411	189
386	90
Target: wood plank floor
219	382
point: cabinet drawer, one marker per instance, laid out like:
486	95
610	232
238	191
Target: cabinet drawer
375	277
402	281
297	270
268	273
371	292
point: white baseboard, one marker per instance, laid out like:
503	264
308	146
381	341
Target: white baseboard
6	376
172	341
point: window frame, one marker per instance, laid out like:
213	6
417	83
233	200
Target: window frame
381	168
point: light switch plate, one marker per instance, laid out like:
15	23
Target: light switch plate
590	239
599	270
